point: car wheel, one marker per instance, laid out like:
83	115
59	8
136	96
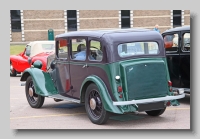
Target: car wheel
34	100
156	112
12	70
94	106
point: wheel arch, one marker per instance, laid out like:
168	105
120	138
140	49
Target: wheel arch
107	101
24	76
83	90
43	83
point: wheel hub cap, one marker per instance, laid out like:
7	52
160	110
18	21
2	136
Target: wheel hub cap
11	68
92	103
30	92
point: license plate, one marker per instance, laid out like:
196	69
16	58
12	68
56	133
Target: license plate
151	106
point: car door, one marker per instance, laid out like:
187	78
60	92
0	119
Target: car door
173	57
185	59
62	78
78	64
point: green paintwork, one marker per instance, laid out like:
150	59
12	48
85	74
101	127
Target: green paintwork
114	69
42	82
174	103
37	64
144	79
107	101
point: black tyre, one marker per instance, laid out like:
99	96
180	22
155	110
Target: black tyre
34	100
12	70
156	112
94	106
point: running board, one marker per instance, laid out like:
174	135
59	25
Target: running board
64	98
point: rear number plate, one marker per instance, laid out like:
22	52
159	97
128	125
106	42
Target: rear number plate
151	106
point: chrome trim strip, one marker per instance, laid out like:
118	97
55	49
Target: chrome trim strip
185	89
141	101
64	98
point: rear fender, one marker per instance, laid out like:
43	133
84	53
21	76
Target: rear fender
43	82
107	101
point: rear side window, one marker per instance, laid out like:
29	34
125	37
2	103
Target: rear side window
96	53
186	42
138	48
171	43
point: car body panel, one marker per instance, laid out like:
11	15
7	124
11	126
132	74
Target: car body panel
42	81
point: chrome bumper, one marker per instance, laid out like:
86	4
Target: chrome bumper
150	100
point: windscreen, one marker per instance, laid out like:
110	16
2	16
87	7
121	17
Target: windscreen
48	46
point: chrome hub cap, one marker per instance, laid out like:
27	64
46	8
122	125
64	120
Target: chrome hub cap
92	103
11	68
30	92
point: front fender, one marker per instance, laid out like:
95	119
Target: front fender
107	101
43	83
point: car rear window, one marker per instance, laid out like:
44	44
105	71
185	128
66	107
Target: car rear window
138	48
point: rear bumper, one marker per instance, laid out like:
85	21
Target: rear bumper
151	100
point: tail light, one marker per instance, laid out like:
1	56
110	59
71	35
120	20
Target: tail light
168	103
119	89
169	83
170	86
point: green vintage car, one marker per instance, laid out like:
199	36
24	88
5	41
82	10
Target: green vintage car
110	71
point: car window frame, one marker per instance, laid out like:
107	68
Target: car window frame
179	43
57	50
104	59
70	48
117	48
182	43
89	41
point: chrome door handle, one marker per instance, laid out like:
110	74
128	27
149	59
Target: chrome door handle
85	66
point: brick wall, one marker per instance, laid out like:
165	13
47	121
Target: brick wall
186	17
39	35
16	36
37	22
149	18
98	19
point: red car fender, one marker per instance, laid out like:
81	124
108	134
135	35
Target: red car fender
43	58
19	62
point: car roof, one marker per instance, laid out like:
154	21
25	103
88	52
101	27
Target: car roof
99	33
112	38
178	29
36	47
41	42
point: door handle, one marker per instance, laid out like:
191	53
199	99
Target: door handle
85	66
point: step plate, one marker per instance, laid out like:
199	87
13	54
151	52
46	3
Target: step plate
64	98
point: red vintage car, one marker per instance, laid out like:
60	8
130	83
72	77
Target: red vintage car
36	50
